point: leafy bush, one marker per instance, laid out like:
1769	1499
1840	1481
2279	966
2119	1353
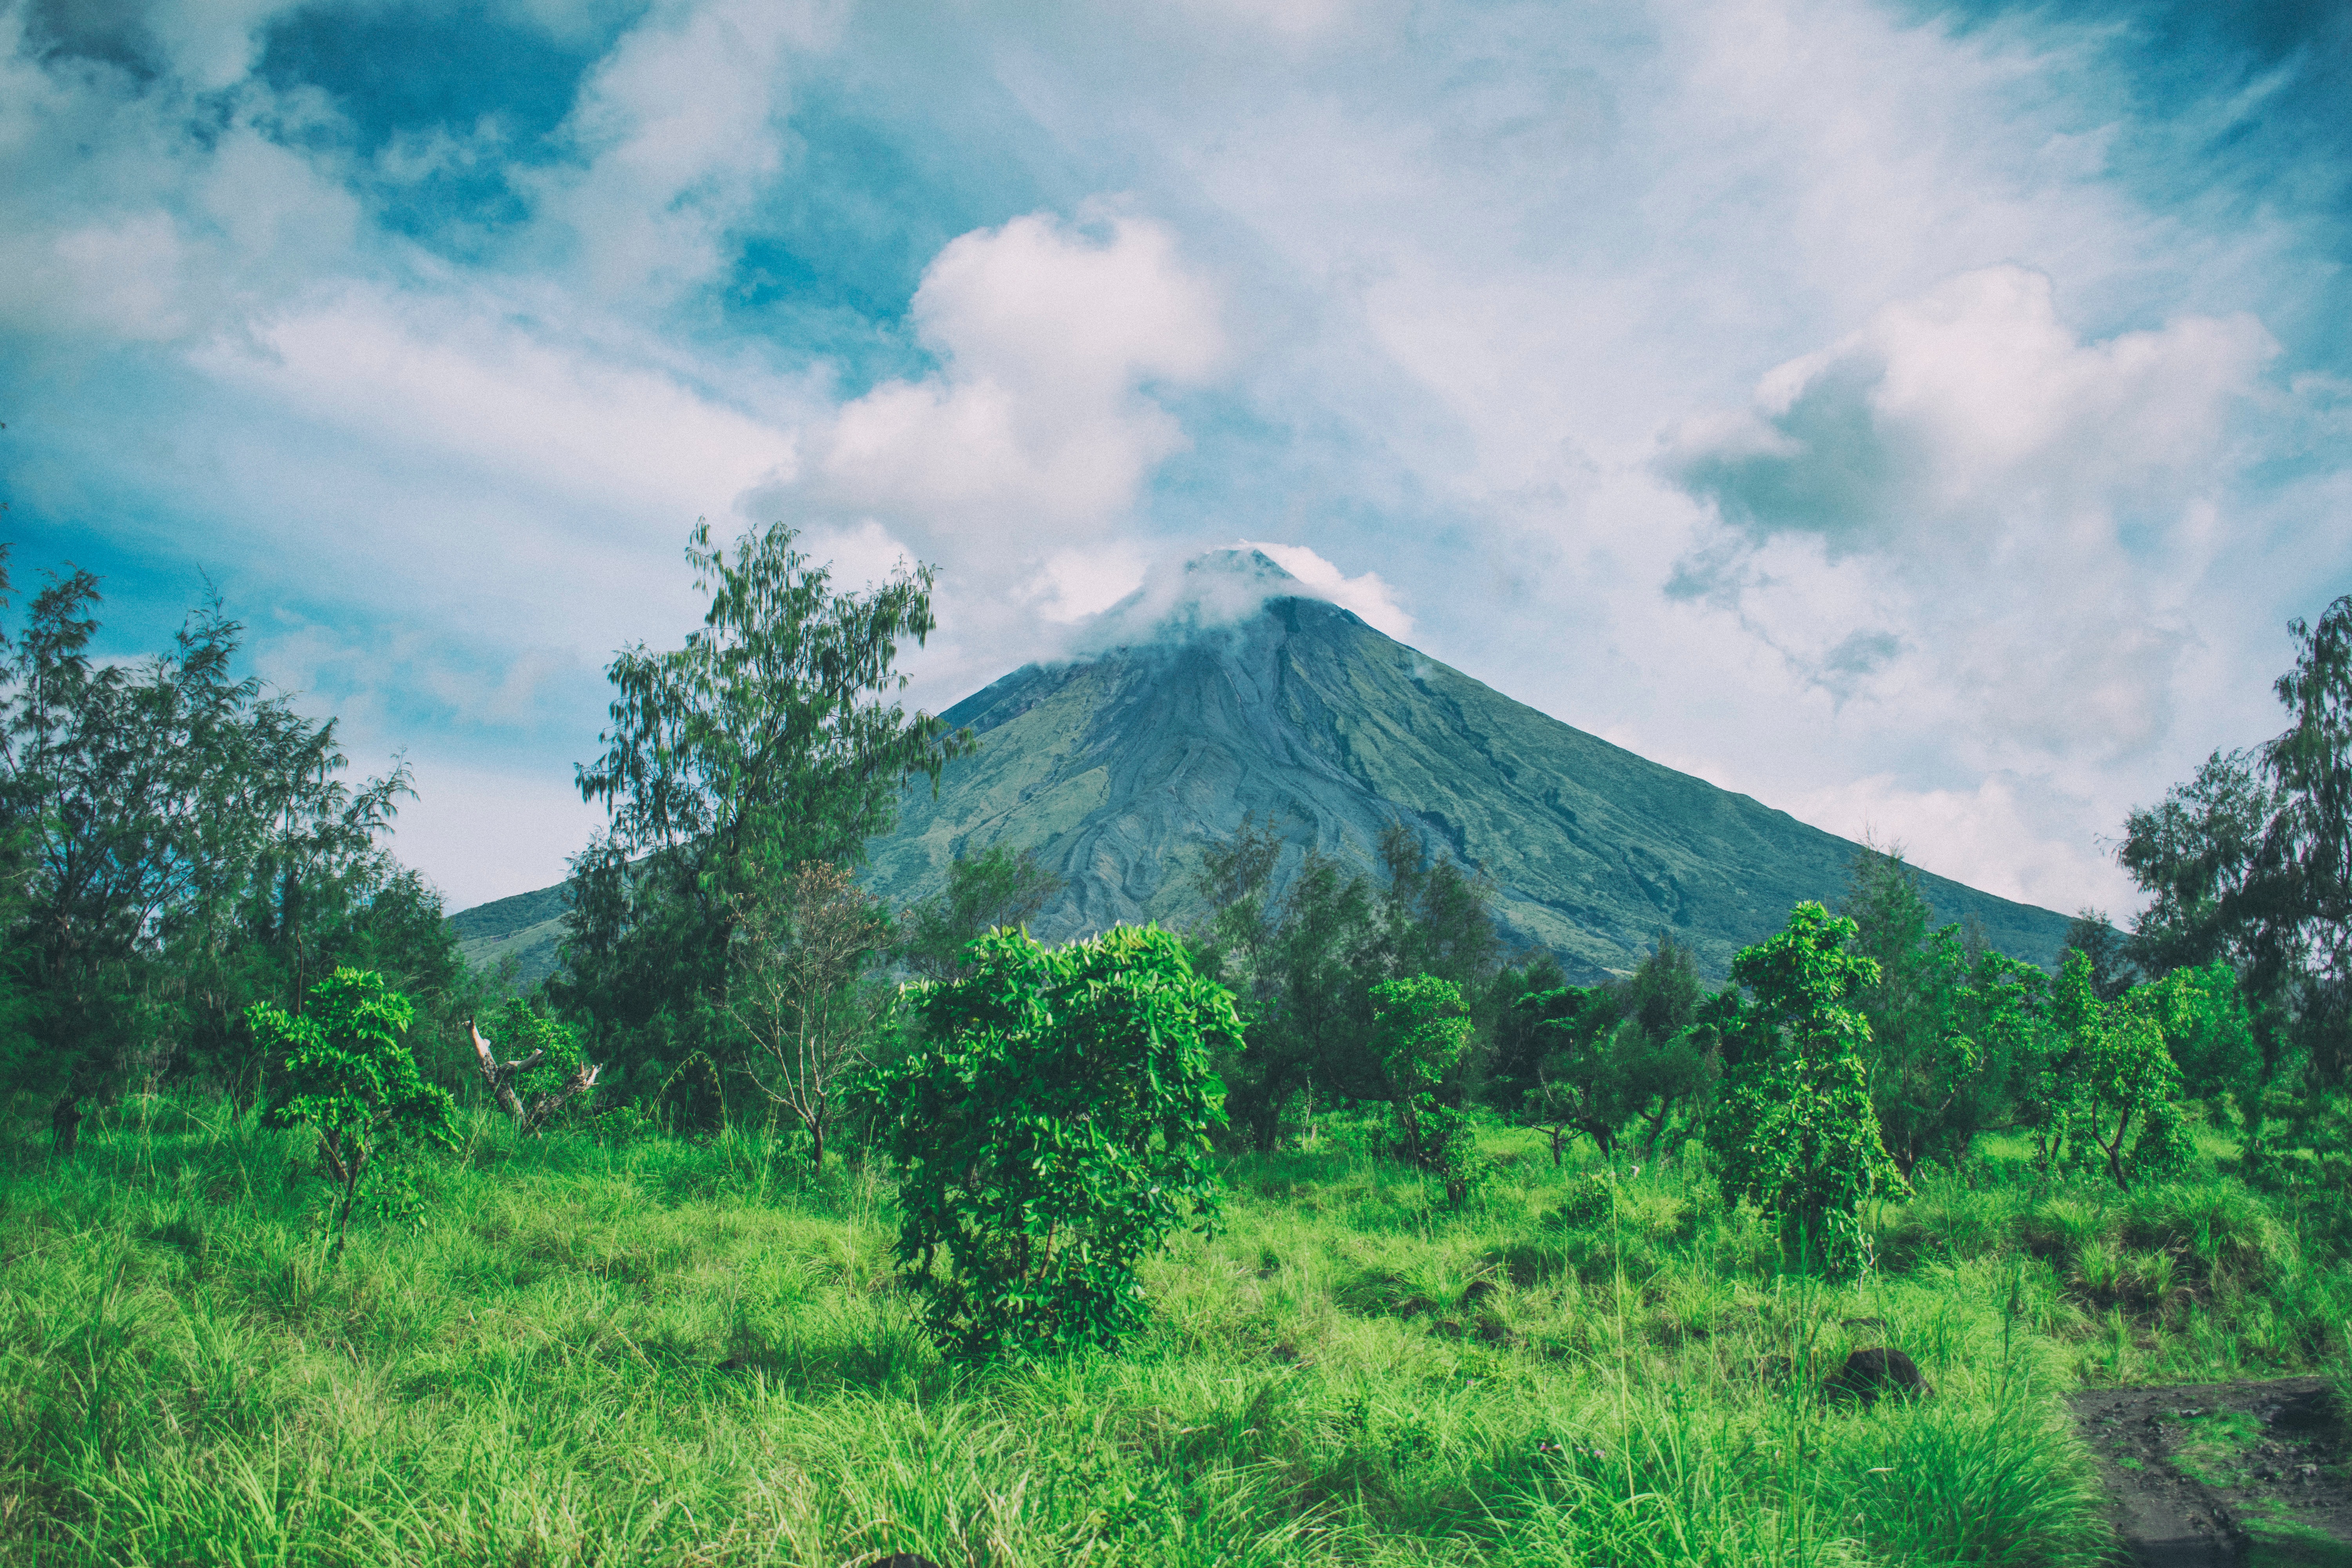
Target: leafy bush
1420	1030
1795	1131
1054	1128
349	1075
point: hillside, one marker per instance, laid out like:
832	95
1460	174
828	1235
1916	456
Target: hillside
1244	696
525	928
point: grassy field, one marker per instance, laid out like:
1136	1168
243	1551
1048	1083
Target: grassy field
688	1352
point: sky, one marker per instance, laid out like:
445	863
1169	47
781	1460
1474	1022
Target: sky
1924	418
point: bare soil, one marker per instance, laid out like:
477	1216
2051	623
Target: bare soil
2225	1475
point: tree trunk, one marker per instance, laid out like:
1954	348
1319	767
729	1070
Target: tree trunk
2116	1154
64	1124
816	1146
1559	1137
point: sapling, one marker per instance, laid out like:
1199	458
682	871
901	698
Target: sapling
1420	1031
1794	1129
349	1075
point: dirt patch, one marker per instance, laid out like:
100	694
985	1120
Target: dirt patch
2225	1475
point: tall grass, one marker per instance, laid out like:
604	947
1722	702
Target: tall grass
676	1352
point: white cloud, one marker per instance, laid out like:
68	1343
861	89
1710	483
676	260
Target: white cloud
2007	836
211	44
454	382
1370	598
683	126
1039	427
1947	481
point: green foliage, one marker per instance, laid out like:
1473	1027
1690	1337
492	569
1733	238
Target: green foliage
1303	960
998	887
1421	1030
1955	1028
1794	1129
181	847
1435	915
2111	1083
346	1073
1297	965
2250	864
1605	1057
769	740
2207	1032
1054	1129
544	1073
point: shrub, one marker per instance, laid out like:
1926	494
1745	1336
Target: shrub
1795	1131
1420	1030
1054	1127
349	1075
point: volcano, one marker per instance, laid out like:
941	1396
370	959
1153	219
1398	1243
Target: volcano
1244	694
1239	693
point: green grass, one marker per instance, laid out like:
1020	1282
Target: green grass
675	1352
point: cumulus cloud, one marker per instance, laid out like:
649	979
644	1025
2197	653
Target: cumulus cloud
457	382
1040	425
1969	414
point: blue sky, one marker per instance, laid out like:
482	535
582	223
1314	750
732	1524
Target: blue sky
1922	417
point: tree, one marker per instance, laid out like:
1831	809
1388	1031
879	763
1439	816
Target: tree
1578	1088
164	806
768	741
1421	1030
1297	965
2107	951
1794	1129
999	887
1664	1059
2250	862
799	946
1435	915
348	1076
2207	1033
1052	1129
1942	1054
545	1072
2117	1081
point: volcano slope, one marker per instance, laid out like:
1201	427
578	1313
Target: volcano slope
1117	768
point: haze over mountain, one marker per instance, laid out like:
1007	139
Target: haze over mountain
1228	690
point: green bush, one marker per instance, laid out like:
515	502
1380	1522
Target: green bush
1054	1128
1795	1131
349	1075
